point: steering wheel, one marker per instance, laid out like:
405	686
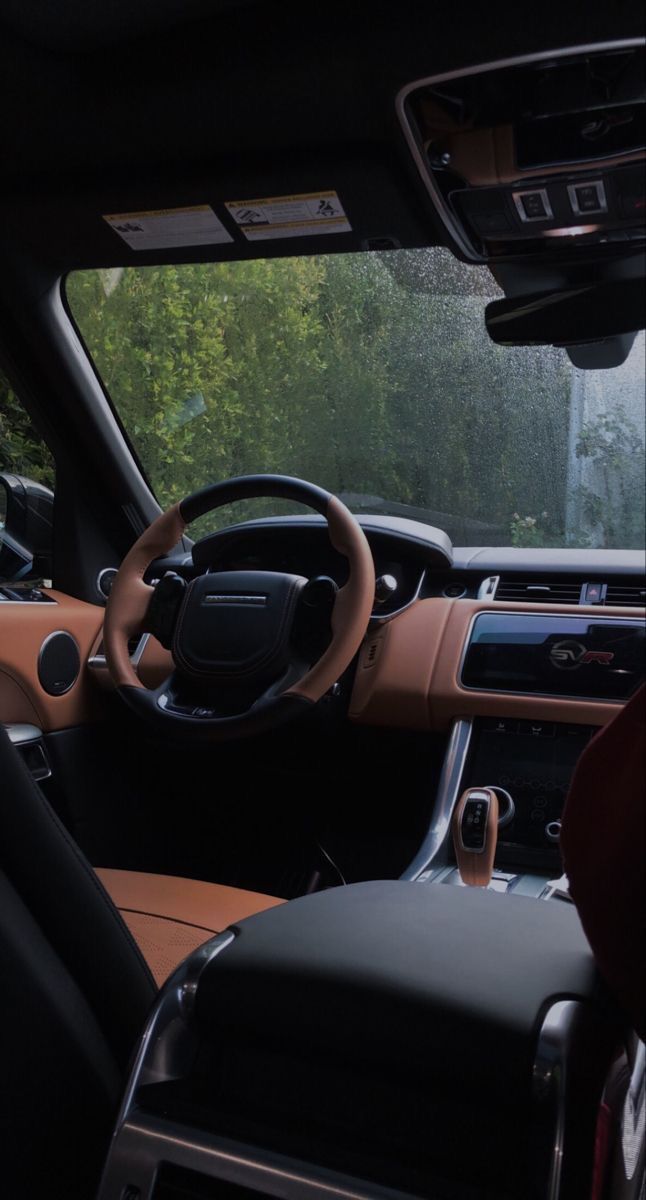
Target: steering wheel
237	667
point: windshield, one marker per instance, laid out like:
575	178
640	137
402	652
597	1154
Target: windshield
373	376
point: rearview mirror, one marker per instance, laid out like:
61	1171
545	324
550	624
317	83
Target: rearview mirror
591	312
26	519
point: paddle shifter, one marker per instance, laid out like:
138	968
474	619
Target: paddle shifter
475	833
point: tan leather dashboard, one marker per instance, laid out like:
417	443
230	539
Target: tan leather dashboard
23	629
407	674
408	670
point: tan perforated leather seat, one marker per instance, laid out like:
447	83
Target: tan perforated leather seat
169	917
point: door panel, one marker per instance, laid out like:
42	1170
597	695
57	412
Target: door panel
24	627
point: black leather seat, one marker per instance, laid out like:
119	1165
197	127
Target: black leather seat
77	982
79	978
75	994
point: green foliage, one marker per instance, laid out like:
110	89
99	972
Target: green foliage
368	374
613	445
532	531
21	449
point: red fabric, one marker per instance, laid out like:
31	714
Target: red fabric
603	839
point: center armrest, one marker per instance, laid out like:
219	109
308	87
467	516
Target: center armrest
444	980
440	1041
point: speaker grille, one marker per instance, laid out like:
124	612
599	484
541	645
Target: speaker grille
59	663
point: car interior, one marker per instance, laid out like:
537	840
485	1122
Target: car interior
322	601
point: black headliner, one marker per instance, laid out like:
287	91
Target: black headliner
112	107
117	105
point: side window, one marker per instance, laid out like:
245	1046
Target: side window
26	493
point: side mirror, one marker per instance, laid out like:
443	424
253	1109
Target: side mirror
26	520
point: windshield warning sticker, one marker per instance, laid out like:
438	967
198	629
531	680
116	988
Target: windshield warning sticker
289	216
165	228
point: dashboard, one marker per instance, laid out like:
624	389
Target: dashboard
409	549
509	659
545	641
517	656
530	634
540	634
402	551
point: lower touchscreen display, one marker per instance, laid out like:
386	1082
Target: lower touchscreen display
554	655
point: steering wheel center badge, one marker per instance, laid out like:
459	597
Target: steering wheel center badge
569	655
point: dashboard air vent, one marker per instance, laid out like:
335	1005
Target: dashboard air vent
626	596
543	591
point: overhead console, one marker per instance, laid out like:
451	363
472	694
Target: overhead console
519	153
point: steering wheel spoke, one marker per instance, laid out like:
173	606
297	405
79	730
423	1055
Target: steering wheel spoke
163	608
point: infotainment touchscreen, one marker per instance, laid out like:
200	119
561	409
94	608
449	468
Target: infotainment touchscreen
600	658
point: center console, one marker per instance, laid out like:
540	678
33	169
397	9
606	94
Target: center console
401	1040
373	1042
528	763
574	663
533	761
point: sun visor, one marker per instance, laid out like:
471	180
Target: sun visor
348	202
